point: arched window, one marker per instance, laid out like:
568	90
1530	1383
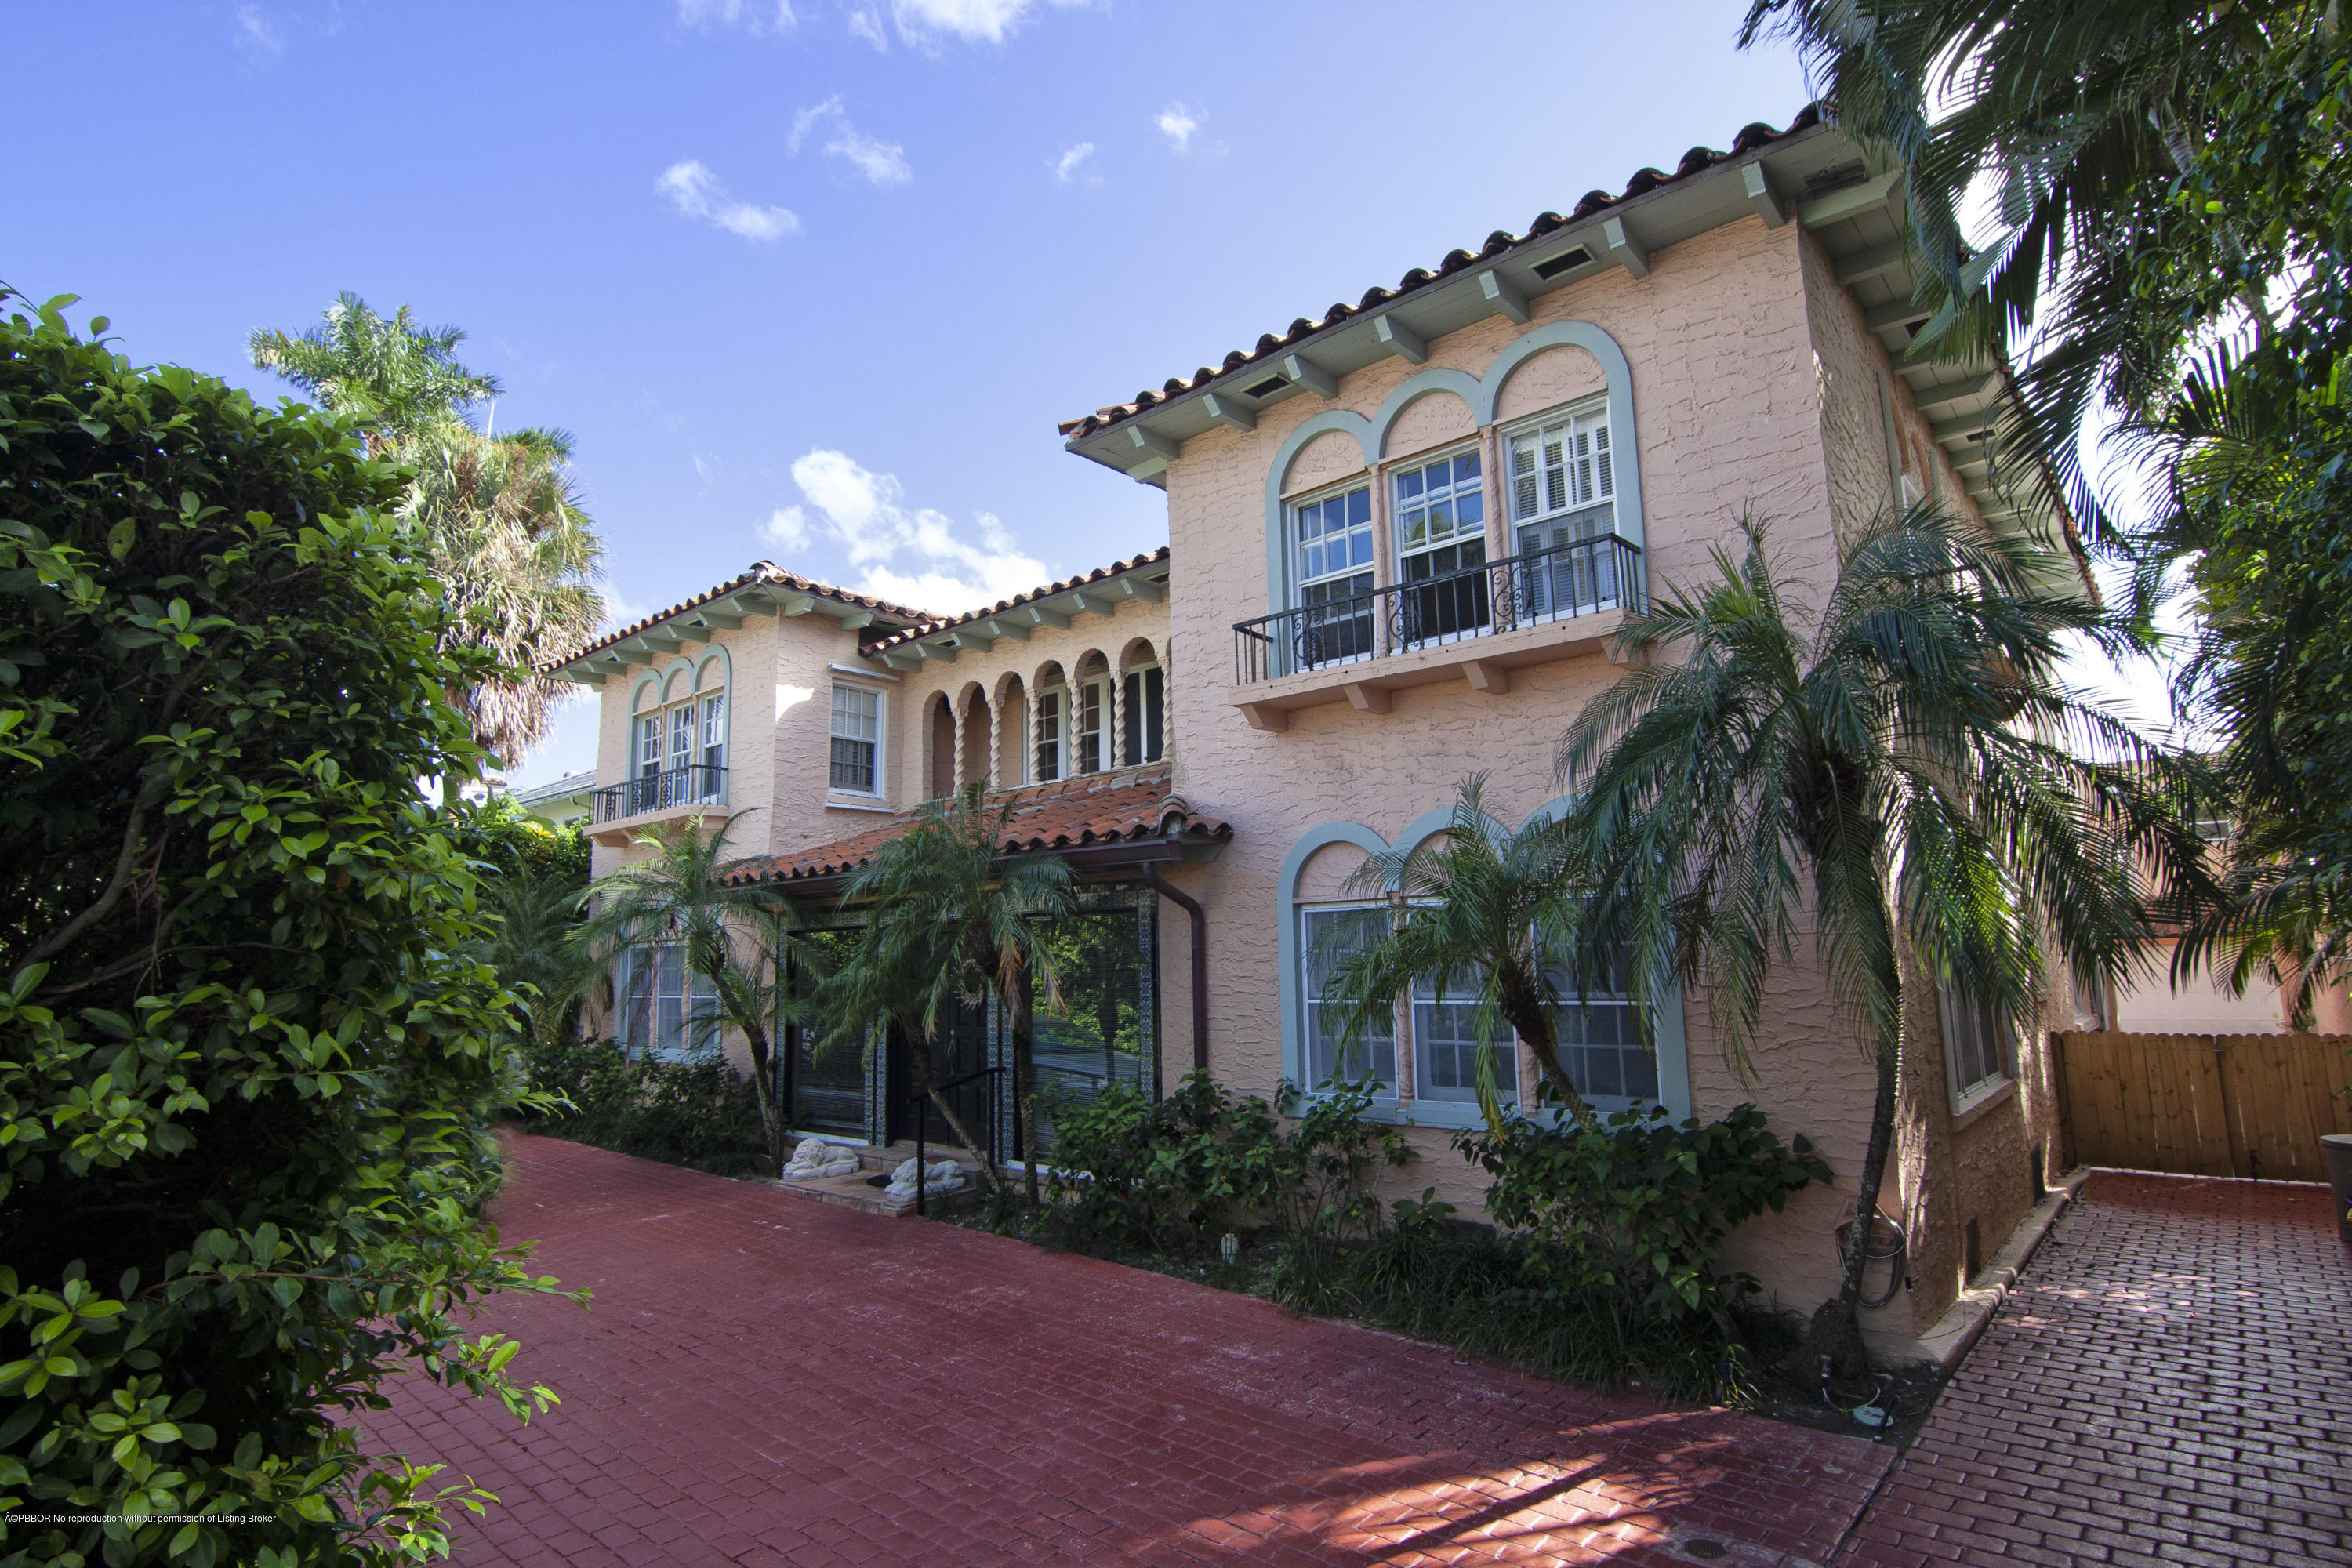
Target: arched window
677	753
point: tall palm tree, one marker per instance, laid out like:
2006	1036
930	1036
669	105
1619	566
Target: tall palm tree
2080	117
953	922
404	377
738	937
1484	913
1910	774
517	559
498	519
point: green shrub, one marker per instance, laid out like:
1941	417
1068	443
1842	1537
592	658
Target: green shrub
1636	1210
246	1066
1173	1174
699	1113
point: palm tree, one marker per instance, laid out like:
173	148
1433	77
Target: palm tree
404	377
498	519
501	523
737	936
2081	117
1908	778
1482	912
953	923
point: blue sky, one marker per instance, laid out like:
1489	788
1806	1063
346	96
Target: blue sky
814	282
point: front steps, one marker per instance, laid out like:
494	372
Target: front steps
859	1190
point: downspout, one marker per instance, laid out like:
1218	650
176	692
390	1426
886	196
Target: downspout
1191	907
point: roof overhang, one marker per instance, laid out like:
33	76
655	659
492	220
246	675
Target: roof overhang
700	621
1145	582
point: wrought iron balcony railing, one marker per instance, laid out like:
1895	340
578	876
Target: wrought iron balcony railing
671	787
1579	579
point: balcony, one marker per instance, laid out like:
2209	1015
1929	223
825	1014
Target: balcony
1476	625
651	799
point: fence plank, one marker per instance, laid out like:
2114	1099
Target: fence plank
2203	1104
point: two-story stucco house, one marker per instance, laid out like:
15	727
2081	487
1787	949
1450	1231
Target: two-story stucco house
1400	537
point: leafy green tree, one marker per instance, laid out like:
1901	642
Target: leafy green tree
739	936
1486	913
1906	774
499	518
246	1067
951	922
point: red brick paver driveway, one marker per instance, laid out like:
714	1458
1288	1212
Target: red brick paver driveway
2170	1383
765	1380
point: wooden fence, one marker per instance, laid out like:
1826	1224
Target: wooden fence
2204	1105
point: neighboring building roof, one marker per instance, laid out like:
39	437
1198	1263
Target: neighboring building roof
1499	243
762	573
557	789
1094	810
1006	607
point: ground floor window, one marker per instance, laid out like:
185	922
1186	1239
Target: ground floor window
1976	1043
1329	936
1092	1030
1604	1048
664	1009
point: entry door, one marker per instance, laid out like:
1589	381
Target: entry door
960	1052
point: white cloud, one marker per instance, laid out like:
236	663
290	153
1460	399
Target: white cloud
974	21
256	36
786	528
696	191
1069	169
881	162
755	14
914	556
1177	123
866	22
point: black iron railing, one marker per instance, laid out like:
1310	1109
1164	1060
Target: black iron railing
923	1131
695	786
1556	585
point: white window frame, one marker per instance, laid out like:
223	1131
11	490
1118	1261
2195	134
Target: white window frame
714	729
1135	711
1577	418
1381	1050
690	1040
1301	580
879	740
1968	1023
1092	751
1456	534
651	733
1604	1101
1049	756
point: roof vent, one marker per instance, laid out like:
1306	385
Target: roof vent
1265	388
1567	260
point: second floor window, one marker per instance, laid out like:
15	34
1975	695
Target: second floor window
1440	526
681	735
1049	736
714	731
1334	539
649	743
856	740
1092	753
1563	493
1145	720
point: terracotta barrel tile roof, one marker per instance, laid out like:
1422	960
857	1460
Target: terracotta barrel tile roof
1001	605
759	571
1091	811
1698	160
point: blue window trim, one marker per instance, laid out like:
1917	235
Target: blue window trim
1482	394
1672	1050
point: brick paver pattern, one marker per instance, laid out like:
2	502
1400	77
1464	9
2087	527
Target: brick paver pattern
2171	1382
768	1380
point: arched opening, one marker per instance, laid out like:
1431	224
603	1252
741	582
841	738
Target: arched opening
973	760
942	752
1091	711
1012	733
1143	706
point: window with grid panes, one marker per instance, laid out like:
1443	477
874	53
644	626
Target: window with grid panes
664	1011
1603	1045
1440	534
1975	1043
1049	735
714	731
1328	935
856	740
649	744
1334	537
1446	1049
1145	719
1090	753
1563	493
